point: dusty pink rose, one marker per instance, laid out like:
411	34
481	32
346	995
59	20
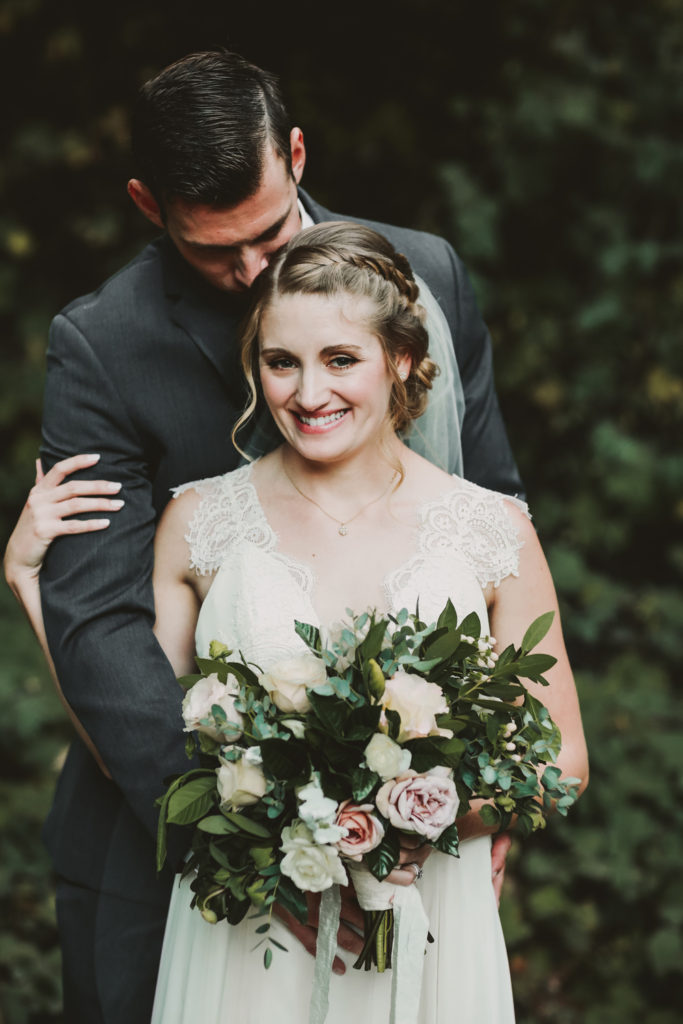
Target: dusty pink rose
365	831
426	804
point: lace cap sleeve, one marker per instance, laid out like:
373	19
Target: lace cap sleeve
477	524
227	512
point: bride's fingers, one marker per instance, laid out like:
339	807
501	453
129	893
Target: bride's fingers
62	469
307	936
81	488
77	506
406	874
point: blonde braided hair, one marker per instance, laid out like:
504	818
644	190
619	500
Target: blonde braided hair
340	258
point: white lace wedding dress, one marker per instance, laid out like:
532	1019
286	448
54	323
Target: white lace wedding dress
210	974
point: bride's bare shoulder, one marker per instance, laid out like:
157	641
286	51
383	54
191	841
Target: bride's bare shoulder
424	478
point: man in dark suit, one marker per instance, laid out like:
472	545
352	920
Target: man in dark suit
145	371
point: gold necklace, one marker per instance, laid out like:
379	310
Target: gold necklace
342	524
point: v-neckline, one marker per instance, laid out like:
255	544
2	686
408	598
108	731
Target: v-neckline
301	570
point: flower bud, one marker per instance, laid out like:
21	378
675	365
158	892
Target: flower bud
209	915
376	680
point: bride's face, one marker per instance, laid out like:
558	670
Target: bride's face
324	375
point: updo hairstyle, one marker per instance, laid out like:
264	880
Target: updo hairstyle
340	258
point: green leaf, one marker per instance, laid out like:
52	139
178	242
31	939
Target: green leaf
209	666
536	631
330	711
442	647
216	825
471	626
489	815
286	760
309	634
384	858
245	824
448	619
267	958
532	665
363	782
187	682
192	801
374	641
292	899
448	841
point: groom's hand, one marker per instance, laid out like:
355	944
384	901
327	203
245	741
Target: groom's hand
349	936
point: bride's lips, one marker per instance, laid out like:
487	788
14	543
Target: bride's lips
320	424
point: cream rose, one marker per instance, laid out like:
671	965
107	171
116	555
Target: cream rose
385	757
240	783
417	702
312	868
426	804
363	830
199	700
288	681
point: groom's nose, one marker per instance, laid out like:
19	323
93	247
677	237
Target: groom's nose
250	263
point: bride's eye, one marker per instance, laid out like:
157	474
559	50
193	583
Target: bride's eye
342	362
280	363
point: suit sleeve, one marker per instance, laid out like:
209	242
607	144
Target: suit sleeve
487	456
96	588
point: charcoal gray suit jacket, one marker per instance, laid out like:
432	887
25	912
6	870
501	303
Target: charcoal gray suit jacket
145	371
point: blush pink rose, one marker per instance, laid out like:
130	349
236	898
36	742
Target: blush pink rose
426	804
364	830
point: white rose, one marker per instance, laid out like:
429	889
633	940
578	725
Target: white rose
240	783
288	681
199	700
417	703
312	868
319	813
385	757
295	835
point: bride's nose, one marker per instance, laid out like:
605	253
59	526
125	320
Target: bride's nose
313	390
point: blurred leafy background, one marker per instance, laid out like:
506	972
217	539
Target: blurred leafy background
544	140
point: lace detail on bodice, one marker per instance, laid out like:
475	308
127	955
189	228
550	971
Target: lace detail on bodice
473	522
465	539
229	514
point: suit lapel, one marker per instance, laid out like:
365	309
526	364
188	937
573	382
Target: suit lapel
209	318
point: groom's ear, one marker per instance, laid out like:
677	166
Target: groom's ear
298	152
145	202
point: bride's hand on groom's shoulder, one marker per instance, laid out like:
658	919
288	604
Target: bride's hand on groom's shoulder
45	516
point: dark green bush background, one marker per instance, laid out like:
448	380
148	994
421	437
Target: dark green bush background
544	140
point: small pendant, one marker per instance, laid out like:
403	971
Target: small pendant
342	531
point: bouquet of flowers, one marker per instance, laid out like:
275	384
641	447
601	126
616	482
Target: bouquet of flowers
317	766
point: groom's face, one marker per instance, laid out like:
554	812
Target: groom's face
230	247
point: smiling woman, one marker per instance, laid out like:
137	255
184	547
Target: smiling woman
344	516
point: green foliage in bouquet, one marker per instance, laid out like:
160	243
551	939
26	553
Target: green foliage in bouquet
294	754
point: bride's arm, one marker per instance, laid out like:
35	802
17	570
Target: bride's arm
41	521
176	589
515	604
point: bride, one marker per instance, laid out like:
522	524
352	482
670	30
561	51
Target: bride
343	515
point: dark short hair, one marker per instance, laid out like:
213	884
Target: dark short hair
201	129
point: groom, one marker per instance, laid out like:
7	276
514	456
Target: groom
145	371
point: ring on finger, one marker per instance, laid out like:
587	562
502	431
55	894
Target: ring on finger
416	869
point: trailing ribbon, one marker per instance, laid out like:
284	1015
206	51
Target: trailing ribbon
326	947
410	927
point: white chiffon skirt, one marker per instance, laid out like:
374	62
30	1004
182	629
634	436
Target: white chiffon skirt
211	973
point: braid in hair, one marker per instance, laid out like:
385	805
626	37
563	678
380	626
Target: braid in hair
336	259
